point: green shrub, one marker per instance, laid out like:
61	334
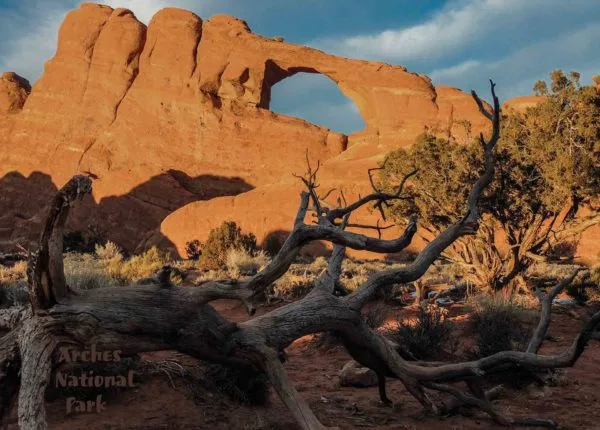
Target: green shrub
499	324
193	249
228	235
140	266
85	272
427	334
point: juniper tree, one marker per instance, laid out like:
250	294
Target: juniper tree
544	193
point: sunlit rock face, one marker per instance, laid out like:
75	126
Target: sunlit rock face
173	123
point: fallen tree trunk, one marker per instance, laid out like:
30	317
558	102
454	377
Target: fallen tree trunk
162	316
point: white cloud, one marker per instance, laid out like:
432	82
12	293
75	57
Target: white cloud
26	54
455	71
516	73
457	28
145	10
515	42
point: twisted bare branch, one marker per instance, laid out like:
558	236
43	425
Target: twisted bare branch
46	278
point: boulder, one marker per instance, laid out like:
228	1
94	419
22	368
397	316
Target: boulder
354	375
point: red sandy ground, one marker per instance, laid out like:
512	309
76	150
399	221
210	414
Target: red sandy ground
156	405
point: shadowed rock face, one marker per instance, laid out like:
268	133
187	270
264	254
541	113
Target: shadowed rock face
169	117
130	219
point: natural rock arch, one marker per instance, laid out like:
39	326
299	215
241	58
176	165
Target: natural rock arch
316	98
274	74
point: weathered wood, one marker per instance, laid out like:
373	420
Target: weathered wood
36	345
9	372
546	313
46	277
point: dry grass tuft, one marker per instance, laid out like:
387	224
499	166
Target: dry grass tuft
294	284
241	262
85	272
11	275
108	268
109	252
142	265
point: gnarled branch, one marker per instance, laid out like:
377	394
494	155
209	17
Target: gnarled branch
46	278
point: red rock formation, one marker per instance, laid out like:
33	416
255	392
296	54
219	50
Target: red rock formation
173	121
14	90
520	104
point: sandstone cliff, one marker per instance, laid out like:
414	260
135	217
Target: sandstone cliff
173	122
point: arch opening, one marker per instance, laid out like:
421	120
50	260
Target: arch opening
317	99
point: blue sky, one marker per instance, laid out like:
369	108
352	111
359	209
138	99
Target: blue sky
456	42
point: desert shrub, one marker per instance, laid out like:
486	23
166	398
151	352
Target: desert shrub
11	275
499	324
291	286
242	262
356	273
184	265
109	252
228	235
595	274
563	251
209	275
193	249
549	272
141	266
318	265
242	385
85	272
427	334
90	280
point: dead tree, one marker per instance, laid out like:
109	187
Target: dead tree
145	318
